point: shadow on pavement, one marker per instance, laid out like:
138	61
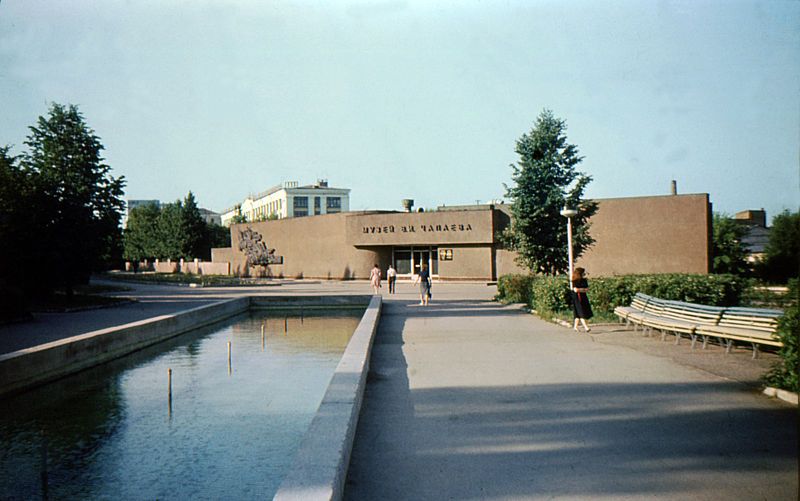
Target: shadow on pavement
565	440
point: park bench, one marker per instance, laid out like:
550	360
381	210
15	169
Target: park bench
648	309
756	326
678	317
638	304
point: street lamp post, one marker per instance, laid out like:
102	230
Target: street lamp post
569	214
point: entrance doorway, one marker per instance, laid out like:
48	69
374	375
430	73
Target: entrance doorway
407	260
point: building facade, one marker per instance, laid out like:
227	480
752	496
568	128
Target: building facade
289	200
662	234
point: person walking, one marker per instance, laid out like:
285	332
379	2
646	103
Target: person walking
391	276
375	278
581	307
424	281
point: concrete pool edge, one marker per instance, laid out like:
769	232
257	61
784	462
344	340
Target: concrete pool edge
30	367
320	465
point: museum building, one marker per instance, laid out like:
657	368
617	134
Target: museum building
655	234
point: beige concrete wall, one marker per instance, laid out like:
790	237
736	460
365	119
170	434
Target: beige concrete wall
663	234
421	228
165	267
470	262
222	254
205	268
505	263
312	247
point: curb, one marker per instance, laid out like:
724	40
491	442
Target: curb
320	465
786	396
29	367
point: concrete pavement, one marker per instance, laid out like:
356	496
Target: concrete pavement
468	399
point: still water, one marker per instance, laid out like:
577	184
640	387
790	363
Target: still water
229	430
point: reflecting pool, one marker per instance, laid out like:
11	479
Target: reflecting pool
226	427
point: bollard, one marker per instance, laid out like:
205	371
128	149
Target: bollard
301	315
285	325
229	358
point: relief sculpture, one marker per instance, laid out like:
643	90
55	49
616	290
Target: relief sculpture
254	247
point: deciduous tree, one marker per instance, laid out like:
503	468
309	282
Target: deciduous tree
81	202
729	253
782	260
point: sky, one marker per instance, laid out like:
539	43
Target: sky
416	99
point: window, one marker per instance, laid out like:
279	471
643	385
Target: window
334	202
301	202
317	206
402	261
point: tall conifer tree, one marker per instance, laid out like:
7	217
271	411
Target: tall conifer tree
545	180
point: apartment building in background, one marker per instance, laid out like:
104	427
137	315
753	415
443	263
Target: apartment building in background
289	200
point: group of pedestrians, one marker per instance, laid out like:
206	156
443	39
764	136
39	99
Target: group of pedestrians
423	278
579	287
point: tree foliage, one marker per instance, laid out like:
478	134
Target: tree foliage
141	233
174	231
60	208
728	251
546	180
20	274
785	373
782	260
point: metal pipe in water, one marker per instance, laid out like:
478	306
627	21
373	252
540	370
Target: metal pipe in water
169	392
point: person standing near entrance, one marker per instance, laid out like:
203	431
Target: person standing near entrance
581	307
375	278
424	280
391	276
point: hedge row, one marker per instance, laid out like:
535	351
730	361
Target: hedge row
551	294
784	374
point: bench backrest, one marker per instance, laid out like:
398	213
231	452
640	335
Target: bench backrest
694	313
760	319
640	301
655	306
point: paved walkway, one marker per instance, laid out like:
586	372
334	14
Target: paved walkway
469	399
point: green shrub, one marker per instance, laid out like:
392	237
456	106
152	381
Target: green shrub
784	374
515	288
551	294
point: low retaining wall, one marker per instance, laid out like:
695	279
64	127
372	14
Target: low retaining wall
316	302
34	366
195	267
320	465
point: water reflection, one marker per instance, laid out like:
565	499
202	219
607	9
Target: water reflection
229	429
